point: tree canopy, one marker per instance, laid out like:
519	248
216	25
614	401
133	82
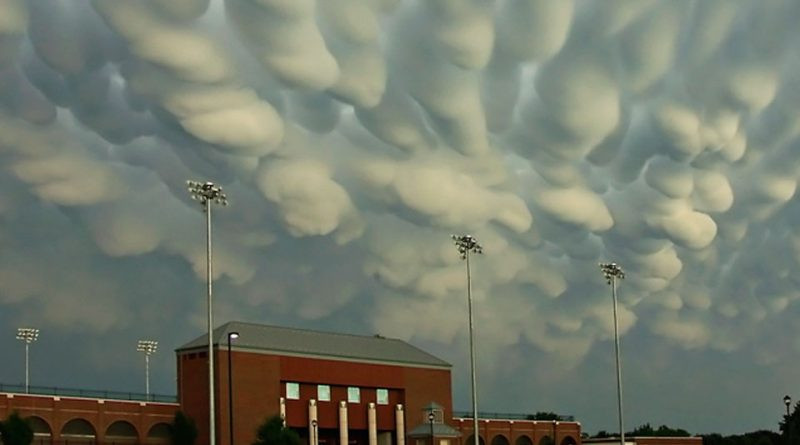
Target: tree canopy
272	432
183	430
15	430
662	431
543	415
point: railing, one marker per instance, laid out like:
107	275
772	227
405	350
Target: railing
509	416
88	393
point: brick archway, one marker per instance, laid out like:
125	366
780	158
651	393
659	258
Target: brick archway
568	440
523	440
471	440
500	440
42	433
159	433
121	431
78	430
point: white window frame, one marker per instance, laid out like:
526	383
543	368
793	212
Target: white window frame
382	400
324	393
353	394
291	394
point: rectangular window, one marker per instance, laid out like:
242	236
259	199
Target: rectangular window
292	391
353	395
382	396
323	393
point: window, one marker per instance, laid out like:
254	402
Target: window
382	396
353	395
292	391
323	393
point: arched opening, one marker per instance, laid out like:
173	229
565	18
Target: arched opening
569	440
546	440
500	440
159	434
78	430
523	440
121	432
42	434
471	440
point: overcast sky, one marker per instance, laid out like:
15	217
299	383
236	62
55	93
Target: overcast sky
354	136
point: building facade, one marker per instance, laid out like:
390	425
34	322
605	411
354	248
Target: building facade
336	389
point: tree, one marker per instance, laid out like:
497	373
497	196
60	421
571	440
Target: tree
790	426
183	430
272	432
15	430
663	431
761	437
543	415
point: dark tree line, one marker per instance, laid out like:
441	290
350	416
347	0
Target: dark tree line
789	433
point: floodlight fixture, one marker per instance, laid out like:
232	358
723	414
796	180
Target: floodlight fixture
206	192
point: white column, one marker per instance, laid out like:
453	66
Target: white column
283	411
400	424
343	433
313	427
372	424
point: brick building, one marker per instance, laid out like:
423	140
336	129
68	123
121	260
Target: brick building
337	388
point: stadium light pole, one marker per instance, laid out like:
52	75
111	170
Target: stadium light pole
209	193
147	347
466	244
613	272
231	336
28	335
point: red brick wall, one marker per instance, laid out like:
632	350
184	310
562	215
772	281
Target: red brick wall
514	430
57	411
258	384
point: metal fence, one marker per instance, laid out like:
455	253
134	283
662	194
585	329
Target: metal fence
506	416
88	393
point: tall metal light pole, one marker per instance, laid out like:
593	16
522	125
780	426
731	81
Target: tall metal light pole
208	193
466	244
612	272
231	336
28	335
147	347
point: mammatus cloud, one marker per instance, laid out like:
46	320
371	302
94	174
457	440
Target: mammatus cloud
354	136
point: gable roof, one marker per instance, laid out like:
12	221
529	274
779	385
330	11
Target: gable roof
325	345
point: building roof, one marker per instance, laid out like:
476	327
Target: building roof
302	342
439	430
